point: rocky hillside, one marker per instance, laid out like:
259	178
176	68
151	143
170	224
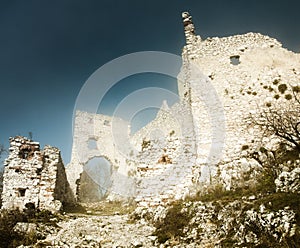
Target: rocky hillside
266	214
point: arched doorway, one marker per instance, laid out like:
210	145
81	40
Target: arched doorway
95	180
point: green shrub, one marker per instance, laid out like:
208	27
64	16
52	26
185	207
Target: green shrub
10	238
106	208
8	220
75	208
173	224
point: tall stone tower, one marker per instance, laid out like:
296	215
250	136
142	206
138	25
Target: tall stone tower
197	97
224	81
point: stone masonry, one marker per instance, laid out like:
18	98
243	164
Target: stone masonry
231	78
96	138
207	135
205	138
34	178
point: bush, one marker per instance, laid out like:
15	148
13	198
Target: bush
8	220
173	224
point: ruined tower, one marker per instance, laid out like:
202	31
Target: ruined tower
189	28
34	178
229	79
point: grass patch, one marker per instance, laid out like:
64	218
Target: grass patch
105	208
280	201
173	224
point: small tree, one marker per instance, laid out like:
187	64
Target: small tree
283	121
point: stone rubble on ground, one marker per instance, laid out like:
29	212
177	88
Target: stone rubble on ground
95	231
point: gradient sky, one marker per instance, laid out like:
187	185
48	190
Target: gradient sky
49	48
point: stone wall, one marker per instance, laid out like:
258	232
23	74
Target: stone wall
34	178
231	78
99	136
166	162
207	135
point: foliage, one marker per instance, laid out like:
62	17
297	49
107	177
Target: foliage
8	237
7	222
282	121
8	219
173	224
74	208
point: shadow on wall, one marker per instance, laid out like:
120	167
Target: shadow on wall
95	180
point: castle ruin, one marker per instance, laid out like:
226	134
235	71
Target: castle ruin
34	178
207	134
203	138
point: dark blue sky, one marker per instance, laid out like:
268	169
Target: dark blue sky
48	49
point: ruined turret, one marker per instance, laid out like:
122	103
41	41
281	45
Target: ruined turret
34	178
189	28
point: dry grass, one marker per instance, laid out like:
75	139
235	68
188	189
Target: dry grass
106	208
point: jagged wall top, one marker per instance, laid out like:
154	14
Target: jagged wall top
197	47
189	31
189	28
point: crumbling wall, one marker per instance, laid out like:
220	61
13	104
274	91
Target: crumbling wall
245	73
207	134
96	135
34	178
55	189
165	164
